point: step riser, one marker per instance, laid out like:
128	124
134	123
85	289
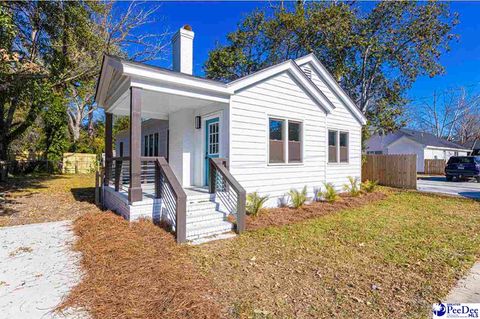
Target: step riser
205	207
195	235
203	219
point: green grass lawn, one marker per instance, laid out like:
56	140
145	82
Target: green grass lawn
388	259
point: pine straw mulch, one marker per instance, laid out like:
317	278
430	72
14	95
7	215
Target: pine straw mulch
287	215
136	270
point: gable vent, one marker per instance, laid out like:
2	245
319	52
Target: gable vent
308	72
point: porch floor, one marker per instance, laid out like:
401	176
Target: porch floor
148	192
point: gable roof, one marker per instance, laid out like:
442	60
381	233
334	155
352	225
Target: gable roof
292	68
426	139
333	85
128	70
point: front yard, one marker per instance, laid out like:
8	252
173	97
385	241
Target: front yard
387	256
389	259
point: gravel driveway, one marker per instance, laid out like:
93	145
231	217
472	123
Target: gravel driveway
37	269
470	189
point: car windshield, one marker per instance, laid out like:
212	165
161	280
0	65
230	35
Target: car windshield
462	160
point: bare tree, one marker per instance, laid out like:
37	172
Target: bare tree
453	115
120	34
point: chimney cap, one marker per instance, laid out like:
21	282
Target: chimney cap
187	27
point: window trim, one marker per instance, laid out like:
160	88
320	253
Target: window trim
338	162
286	120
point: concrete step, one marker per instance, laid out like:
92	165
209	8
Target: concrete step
203	217
200	206
205	229
207	239
199	197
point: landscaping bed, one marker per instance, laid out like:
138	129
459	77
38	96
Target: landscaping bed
288	215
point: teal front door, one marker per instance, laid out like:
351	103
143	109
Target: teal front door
212	143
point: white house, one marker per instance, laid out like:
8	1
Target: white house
424	145
288	126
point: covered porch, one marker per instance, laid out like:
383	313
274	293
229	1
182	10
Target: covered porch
197	110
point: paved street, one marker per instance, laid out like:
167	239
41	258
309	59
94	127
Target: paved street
470	189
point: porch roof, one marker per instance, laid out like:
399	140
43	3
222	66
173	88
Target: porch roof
164	91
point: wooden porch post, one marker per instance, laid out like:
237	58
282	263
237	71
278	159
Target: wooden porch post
108	147
135	189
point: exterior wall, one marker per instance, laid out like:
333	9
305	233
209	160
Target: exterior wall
148	127
223	113
341	119
181	145
146	209
406	146
378	143
279	97
445	154
187	144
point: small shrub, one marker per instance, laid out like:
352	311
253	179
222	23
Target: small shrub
255	203
353	188
298	198
330	194
369	186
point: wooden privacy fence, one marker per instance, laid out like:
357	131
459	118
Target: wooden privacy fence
391	170
434	166
79	163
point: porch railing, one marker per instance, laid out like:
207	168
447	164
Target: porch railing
228	190
157	180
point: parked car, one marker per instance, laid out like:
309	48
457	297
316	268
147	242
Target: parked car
463	167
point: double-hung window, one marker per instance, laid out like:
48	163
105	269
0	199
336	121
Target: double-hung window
285	141
338	146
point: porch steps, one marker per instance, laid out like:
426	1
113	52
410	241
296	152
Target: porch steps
204	219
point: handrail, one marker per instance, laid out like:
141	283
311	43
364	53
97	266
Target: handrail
164	169
218	164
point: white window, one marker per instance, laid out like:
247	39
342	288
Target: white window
338	145
285	141
213	139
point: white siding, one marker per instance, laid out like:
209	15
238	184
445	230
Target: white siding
281	97
341	119
445	154
405	145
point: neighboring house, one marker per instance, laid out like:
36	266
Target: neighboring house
474	146
406	141
287	126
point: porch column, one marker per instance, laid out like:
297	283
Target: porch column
108	147
135	189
